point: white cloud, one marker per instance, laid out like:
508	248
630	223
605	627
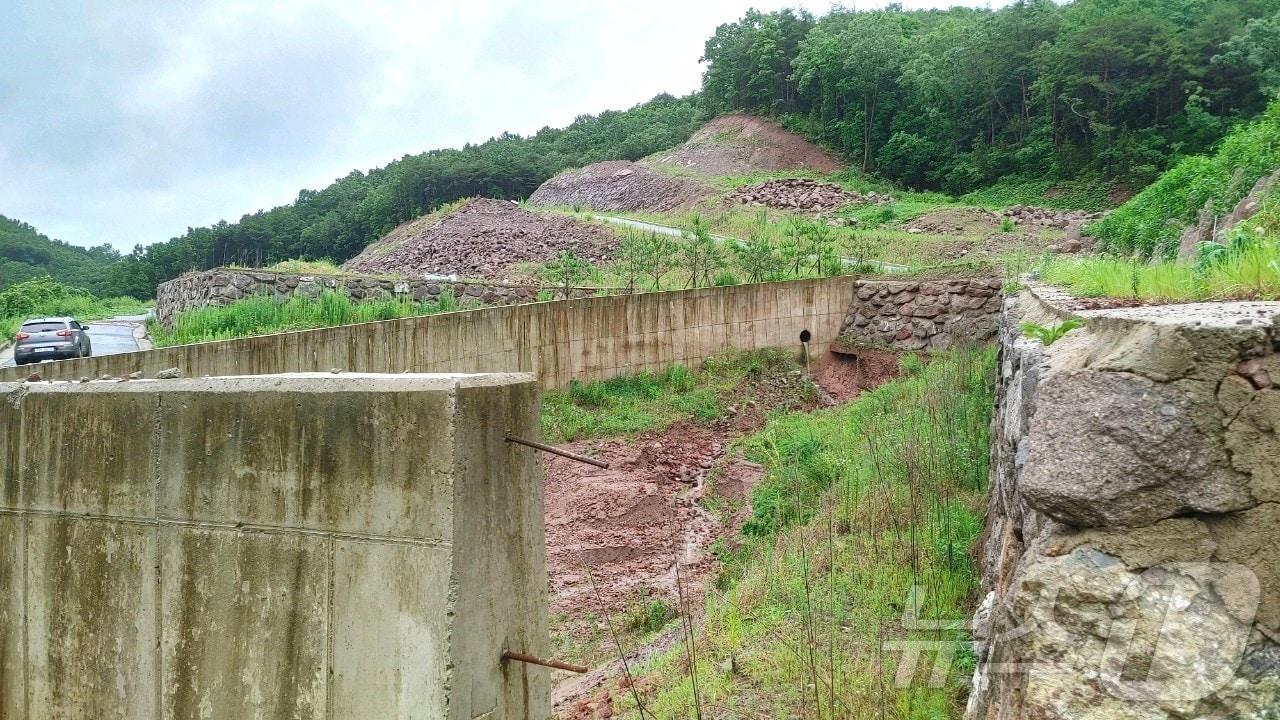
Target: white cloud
128	123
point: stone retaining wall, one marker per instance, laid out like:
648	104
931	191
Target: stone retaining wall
1129	562
911	315
223	286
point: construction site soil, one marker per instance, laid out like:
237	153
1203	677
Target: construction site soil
482	239
618	185
742	144
728	145
616	537
804	194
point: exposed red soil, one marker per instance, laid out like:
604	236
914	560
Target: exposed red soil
615	536
740	144
483	238
844	373
619	185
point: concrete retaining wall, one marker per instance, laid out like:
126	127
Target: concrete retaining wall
273	547
223	286
586	339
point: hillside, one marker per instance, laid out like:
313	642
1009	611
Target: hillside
481	238
339	221
739	144
1199	190
25	253
619	186
680	177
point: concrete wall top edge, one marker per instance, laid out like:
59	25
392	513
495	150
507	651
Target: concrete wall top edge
1208	315
286	382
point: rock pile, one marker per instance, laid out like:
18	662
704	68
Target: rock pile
954	221
802	194
483	238
619	186
1045	217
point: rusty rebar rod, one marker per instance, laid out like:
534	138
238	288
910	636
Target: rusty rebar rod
521	657
557	451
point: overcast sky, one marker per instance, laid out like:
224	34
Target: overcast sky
127	122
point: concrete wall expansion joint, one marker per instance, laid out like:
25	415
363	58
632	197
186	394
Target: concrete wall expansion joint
281	546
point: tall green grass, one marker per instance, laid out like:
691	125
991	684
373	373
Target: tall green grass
1152	221
1251	271
859	505
261	315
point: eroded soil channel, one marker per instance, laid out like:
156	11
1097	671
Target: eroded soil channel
632	547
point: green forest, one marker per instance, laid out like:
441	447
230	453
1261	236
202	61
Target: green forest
955	100
26	253
1106	91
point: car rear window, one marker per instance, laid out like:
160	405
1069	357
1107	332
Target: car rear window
39	327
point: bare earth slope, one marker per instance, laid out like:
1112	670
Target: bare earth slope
483	238
741	144
619	185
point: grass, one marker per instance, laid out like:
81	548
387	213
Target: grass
632	404
859	505
263	315
1249	273
323	266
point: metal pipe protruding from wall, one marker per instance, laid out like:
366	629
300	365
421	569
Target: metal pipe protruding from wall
557	451
558	665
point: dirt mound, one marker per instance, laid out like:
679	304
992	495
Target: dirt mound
741	144
844	373
619	185
483	238
801	194
954	221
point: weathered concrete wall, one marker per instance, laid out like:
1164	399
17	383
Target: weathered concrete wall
223	286
912	315
1129	565
586	339
352	546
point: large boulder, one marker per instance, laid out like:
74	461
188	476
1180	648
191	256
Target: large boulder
1112	448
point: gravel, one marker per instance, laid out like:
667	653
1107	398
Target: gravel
482	239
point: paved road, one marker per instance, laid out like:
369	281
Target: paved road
111	336
668	230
